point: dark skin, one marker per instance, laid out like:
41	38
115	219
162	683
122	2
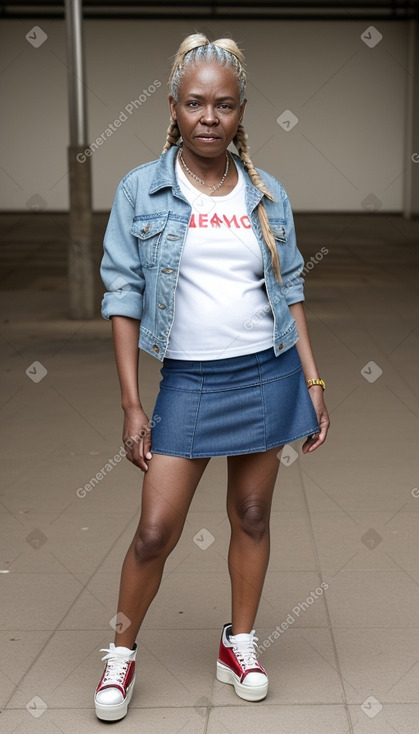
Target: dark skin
208	113
208	104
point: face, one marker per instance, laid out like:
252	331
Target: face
208	110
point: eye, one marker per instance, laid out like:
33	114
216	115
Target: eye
192	104
225	106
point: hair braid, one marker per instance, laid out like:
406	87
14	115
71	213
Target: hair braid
172	135
240	141
196	48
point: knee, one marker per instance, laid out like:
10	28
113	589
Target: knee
151	542
253	518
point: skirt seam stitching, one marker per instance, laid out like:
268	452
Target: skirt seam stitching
262	395
191	452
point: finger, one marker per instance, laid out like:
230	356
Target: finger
318	439
135	454
324	427
140	464
315	445
147	445
310	441
138	456
128	450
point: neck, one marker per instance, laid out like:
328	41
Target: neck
204	167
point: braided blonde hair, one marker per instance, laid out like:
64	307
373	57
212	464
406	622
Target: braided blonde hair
194	49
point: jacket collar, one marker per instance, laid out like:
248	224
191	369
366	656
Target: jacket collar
165	175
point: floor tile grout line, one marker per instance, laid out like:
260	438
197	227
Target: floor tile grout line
55	630
210	705
246	704
329	620
402	401
84	585
371	335
293	571
24	630
355	712
305	472
65	400
272	704
72	671
399	375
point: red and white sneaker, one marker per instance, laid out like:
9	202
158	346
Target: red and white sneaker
114	691
238	666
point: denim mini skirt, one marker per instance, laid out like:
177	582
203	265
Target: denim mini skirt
238	405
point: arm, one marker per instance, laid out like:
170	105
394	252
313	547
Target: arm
123	303
310	372
136	431
120	268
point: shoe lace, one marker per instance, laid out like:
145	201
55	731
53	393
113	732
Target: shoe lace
245	652
116	666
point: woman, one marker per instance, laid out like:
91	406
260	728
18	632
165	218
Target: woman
200	255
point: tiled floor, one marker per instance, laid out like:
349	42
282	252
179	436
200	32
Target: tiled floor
347	516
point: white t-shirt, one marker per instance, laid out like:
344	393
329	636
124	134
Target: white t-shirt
221	306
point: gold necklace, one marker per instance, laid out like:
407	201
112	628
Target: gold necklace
211	188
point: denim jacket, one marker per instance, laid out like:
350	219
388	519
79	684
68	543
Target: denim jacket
143	247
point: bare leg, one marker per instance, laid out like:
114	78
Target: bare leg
251	480
168	489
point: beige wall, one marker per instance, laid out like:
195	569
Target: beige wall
349	98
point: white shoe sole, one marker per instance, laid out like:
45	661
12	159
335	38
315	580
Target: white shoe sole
249	693
116	711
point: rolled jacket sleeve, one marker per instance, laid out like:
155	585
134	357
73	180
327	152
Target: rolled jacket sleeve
120	268
292	261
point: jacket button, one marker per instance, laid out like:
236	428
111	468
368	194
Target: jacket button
155	348
161	305
167	270
280	346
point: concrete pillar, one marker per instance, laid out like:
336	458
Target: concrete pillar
411	192
80	260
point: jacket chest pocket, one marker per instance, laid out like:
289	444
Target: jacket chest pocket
149	232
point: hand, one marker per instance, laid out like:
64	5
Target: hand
313	442
136	436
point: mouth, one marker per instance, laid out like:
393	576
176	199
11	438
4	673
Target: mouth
207	138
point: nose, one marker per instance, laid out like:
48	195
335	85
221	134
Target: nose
208	116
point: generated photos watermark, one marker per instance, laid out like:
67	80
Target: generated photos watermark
257	317
292	617
123	116
116	459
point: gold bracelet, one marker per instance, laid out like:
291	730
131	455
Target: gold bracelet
322	383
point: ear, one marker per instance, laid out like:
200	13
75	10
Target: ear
172	106
242	109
